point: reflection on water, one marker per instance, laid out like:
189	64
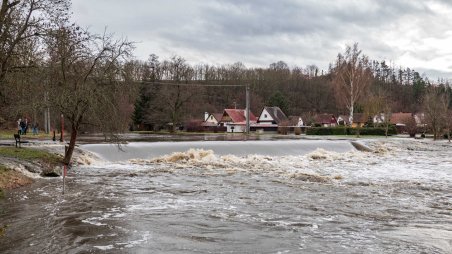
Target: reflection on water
324	201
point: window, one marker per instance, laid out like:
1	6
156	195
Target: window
265	115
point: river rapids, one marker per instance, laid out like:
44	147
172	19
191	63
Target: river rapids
299	196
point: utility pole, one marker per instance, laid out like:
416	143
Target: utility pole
247	109
46	113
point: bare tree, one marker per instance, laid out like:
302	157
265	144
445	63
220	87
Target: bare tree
378	106
448	123
22	21
173	94
386	114
351	77
410	125
85	80
434	110
447	113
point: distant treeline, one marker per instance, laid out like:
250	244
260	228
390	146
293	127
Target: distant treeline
173	91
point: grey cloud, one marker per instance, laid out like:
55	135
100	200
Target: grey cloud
299	32
434	75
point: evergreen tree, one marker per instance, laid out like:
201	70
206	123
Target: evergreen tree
418	87
141	104
279	100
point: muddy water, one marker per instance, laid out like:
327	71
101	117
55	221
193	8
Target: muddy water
398	200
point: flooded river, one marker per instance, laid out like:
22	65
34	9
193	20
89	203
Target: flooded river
301	196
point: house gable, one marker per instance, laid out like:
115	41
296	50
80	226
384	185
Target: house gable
214	118
272	115
265	116
326	120
236	116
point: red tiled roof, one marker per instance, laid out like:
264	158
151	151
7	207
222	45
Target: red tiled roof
400	118
325	119
217	116
238	115
360	118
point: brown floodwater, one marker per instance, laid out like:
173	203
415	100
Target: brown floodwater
209	200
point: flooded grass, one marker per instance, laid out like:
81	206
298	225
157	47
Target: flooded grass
30	154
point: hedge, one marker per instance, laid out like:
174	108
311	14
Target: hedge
350	131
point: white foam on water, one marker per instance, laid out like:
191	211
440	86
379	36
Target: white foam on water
392	160
145	236
146	150
106	247
94	221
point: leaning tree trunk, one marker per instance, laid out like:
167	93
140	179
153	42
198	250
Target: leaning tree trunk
70	150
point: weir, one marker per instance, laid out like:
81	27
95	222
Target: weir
150	150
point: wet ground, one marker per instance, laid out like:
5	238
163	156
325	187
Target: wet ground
398	200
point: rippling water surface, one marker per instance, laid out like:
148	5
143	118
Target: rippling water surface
217	198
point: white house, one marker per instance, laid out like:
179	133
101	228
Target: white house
272	115
212	119
235	120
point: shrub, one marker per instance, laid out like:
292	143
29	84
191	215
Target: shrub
326	131
349	131
283	130
297	130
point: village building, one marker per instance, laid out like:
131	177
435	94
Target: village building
212	119
269	120
325	120
343	120
419	118
379	118
235	120
296	121
272	115
400	119
359	120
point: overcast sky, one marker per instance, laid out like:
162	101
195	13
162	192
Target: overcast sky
410	33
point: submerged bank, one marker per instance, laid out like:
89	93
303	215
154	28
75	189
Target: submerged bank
20	166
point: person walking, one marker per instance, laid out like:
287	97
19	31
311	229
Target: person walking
19	127
22	127
35	128
26	126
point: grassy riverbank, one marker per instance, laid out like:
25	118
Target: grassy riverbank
30	154
10	178
9	134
